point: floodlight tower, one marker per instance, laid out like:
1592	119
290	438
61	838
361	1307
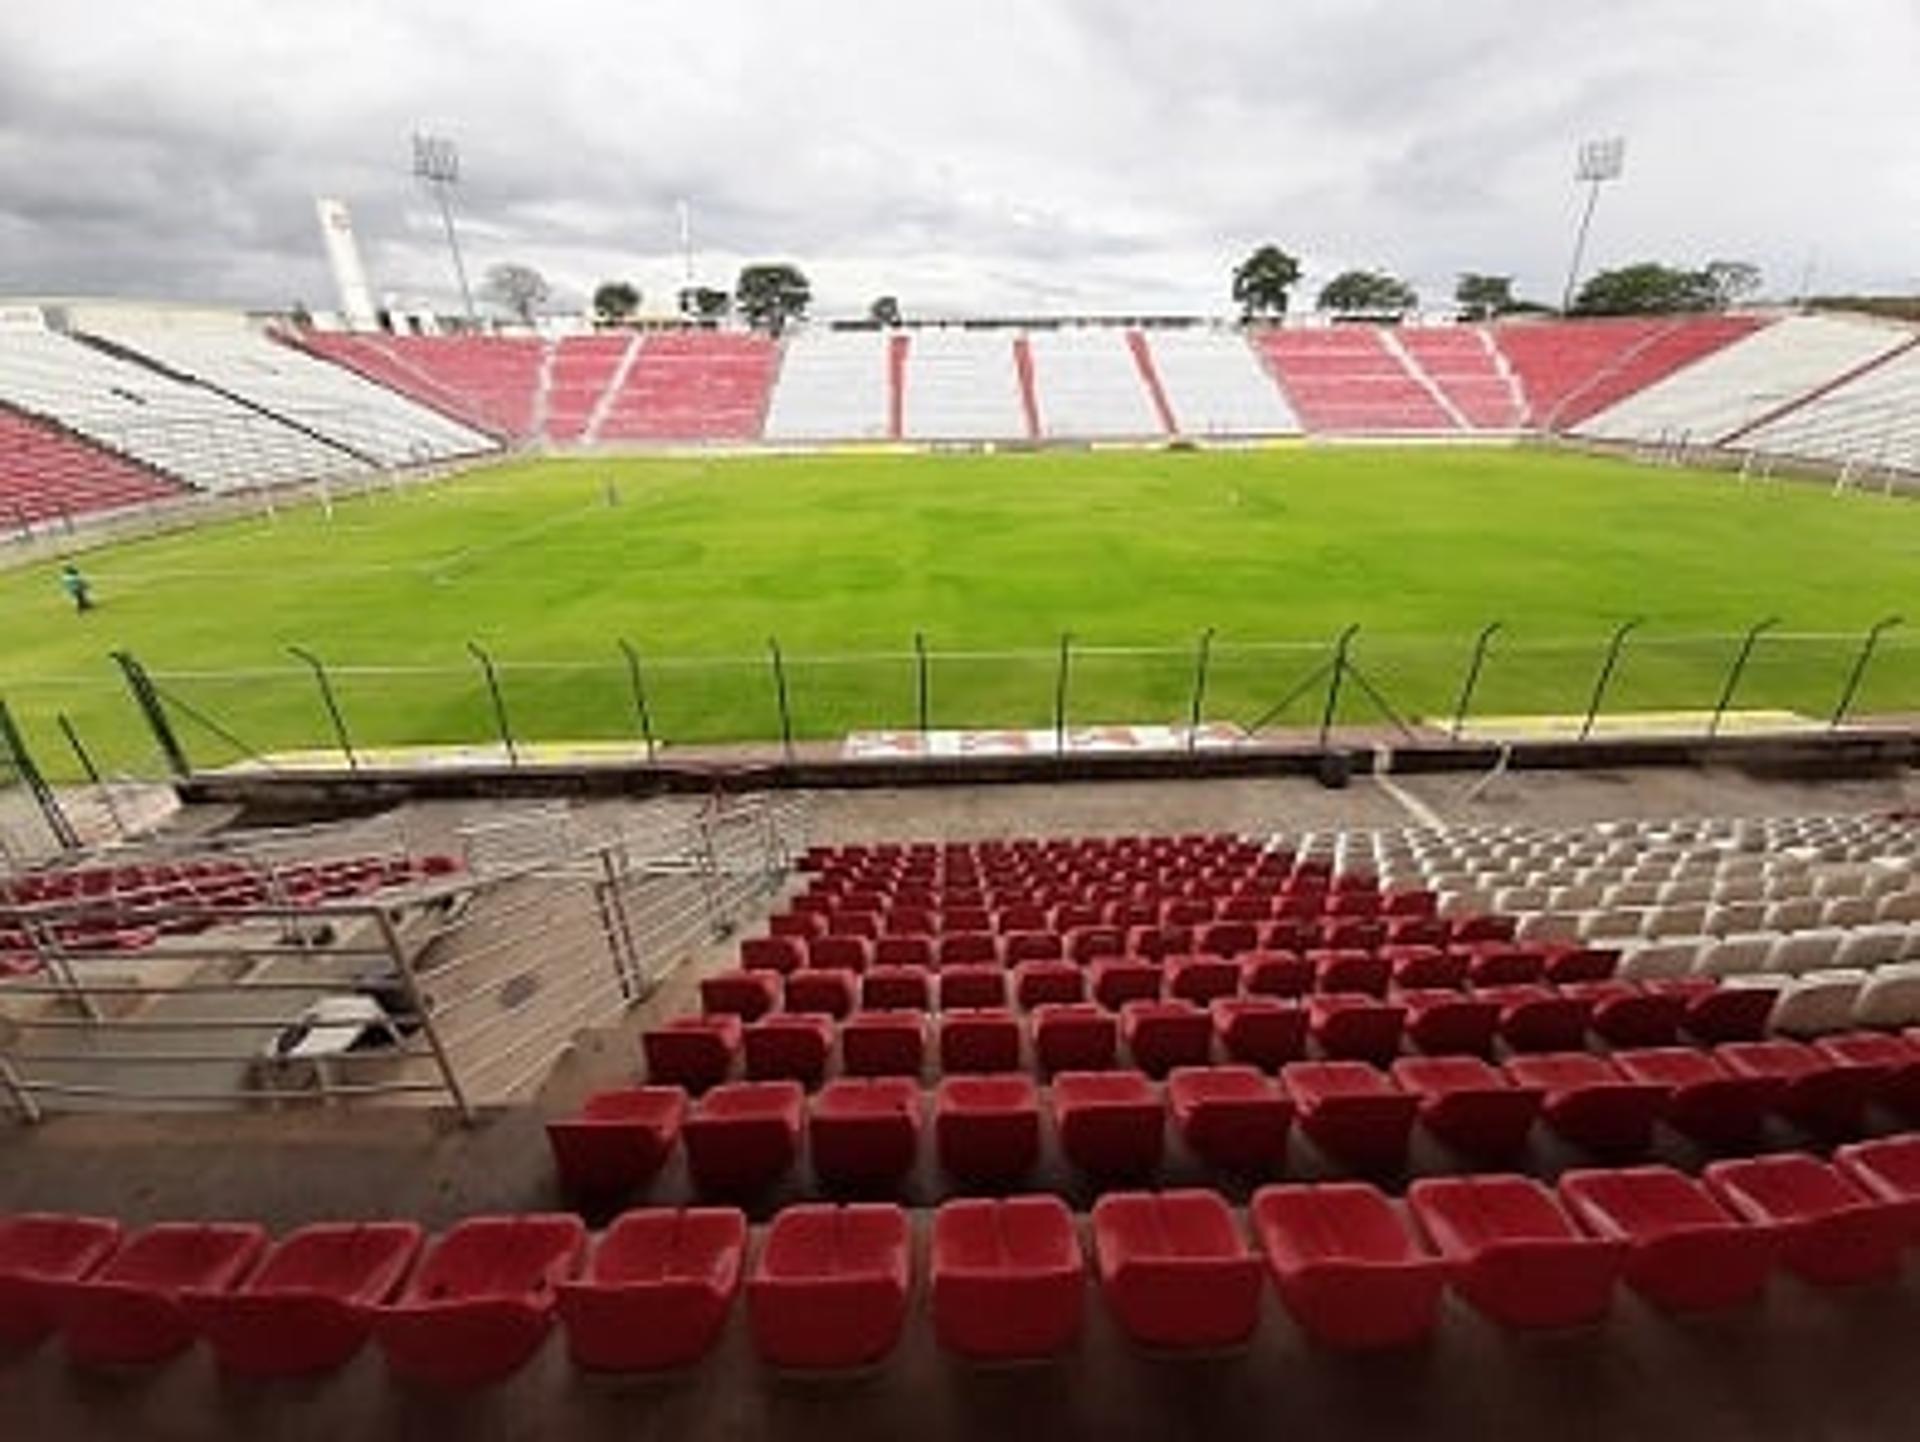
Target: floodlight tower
1600	161
436	164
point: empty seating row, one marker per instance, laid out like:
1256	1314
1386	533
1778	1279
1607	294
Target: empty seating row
831	1287
864	1130
48	474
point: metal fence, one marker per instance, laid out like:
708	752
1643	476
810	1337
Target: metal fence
461	992
145	717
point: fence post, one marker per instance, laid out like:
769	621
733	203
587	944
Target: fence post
148	700
921	690
13	748
638	686
1060	695
85	758
499	701
422	1009
301	653
1854	677
1480	645
1202	661
1333	682
780	695
1747	644
1605	678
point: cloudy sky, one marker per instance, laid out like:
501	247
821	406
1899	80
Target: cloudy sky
967	155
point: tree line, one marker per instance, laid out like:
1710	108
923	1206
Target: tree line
1264	282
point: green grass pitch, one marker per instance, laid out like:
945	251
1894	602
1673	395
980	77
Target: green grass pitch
843	558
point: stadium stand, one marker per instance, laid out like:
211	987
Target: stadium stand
1739	383
1348	380
693	386
1663	349
1087	383
200	436
377	425
961	385
1215	385
583	370
1470	372
834	385
1870	418
47	473
486	382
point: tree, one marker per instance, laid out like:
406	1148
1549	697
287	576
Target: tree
1650	288
1482	297
884	311
520	288
704	303
772	295
616	300
1262	280
1373	292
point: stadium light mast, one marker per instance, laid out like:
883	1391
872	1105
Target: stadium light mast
1600	161
436	164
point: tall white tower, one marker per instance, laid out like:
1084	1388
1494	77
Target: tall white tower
343	254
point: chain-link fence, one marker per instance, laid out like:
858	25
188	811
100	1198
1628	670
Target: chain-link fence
145	717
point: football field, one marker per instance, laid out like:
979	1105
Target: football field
700	564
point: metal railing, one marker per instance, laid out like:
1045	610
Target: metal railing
482	980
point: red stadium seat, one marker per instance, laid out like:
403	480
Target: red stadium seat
1351	1112
1157	941
1450	1023
779	954
968	948
695	1052
1516	1256
1350	971
1115	982
1227	938
1232	1117
839	953
1262	1031
1716	1013
1094	943
1895	1061
482	1301
972	986
1275	973
982	1040
1110	1123
1425	967
987	1128
1501	964
896	988
656	1290
1588	1102
309	1307
1346	1265
822	993
39	1251
883	1043
829	1291
1889	1171
790	1046
1538	1018
1161	1035
1019	946
1626	1015
129	1310
846	922
1832	1233
865	1133
1009	1283
1349	1026
1703	1099
1075	1036
1175	1270
618	1141
743	1136
1044	983
907	949
748	995
1469	1104
1576	964
1200	979
1825	1096
1685	1252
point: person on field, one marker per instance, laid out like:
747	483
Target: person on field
77	588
